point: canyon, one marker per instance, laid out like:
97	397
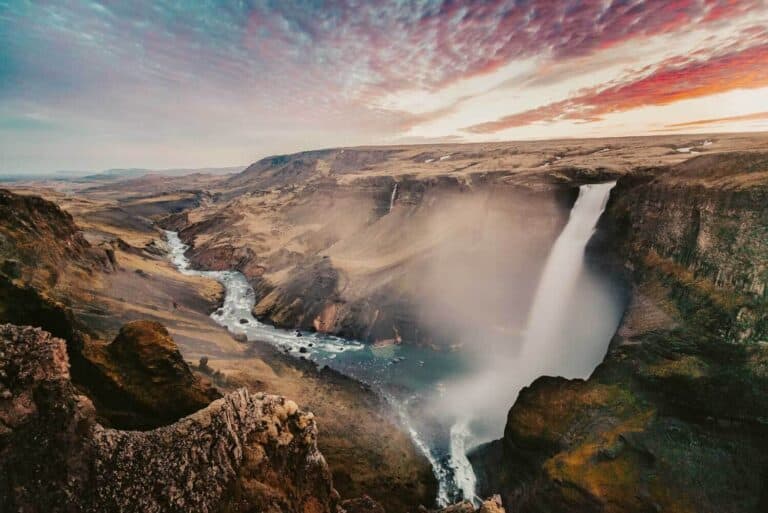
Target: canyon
392	292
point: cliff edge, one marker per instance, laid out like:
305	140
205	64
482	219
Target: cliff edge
244	452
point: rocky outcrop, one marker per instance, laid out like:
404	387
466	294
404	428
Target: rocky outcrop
142	379
676	417
39	240
244	452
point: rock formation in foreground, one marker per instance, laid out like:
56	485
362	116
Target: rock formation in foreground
244	452
142	380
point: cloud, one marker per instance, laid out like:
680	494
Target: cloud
290	70
757	116
676	79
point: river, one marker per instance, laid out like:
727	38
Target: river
473	388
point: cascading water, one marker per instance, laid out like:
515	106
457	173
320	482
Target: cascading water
547	342
566	260
393	197
407	374
464	474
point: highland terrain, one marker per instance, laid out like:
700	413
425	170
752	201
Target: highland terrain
129	396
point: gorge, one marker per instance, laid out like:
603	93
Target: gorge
338	256
541	354
619	312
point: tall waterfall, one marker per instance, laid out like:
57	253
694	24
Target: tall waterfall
393	198
547	347
545	322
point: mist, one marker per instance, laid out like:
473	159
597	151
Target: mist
486	285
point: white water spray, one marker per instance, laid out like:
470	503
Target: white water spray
542	353
464	475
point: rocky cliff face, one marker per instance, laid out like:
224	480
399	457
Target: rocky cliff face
675	417
39	241
244	452
368	243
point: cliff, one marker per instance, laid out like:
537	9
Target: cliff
39	242
244	452
675	418
396	243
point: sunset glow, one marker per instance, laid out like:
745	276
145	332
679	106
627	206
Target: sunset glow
90	85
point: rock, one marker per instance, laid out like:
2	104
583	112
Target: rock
42	241
156	247
363	504
144	379
240	337
459	507
492	505
111	257
242	453
44	459
243	321
302	349
11	268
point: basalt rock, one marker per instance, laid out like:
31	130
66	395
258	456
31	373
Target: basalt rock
244	452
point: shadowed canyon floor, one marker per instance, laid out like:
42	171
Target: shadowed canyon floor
440	249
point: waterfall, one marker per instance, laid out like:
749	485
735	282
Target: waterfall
464	475
544	345
545	329
393	197
544	351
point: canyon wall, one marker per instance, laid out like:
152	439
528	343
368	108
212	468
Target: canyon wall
674	419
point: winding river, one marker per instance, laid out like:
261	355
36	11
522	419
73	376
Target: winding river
565	337
399	373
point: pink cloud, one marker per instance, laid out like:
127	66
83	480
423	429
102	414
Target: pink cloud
674	80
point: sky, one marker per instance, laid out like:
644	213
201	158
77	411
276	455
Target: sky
158	84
